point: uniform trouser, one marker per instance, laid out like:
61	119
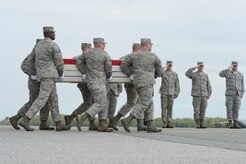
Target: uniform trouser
132	98
47	94
87	100
33	87
233	104
200	106
99	95
111	104
145	103
167	107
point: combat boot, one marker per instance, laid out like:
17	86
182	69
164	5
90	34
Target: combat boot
198	125
44	126
103	126
60	127
81	119
92	125
140	126
14	121
114	121
164	124
24	122
236	126
230	124
202	124
68	119
169	125
151	128
126	122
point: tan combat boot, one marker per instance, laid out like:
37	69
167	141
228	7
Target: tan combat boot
236	126
169	124
230	124
44	126
141	126
81	119
92	126
164	124
14	121
24	122
68	119
102	127
60	127
114	121
198	125
151	128
126	122
202	124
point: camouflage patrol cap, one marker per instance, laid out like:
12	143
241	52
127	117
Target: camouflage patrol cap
38	40
200	63
136	45
146	41
99	40
85	45
48	29
234	63
169	62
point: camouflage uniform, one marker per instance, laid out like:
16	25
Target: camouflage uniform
132	98
97	66
146	67
33	86
169	90
49	66
201	91
234	92
113	92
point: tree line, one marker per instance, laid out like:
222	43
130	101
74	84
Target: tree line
178	122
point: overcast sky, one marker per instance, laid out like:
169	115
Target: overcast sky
185	31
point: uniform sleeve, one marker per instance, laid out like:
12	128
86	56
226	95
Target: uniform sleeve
177	86
126	66
58	59
80	63
209	88
242	86
28	64
108	66
189	73
223	73
158	67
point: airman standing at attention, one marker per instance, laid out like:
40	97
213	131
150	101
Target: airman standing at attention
234	93
169	91
201	92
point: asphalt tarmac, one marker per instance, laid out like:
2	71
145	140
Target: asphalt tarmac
178	145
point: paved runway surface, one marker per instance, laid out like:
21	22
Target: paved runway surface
170	146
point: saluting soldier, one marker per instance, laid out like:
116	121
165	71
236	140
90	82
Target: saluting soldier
201	92
234	92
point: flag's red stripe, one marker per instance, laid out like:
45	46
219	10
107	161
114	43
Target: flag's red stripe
73	61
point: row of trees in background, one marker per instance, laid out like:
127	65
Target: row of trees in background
178	122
